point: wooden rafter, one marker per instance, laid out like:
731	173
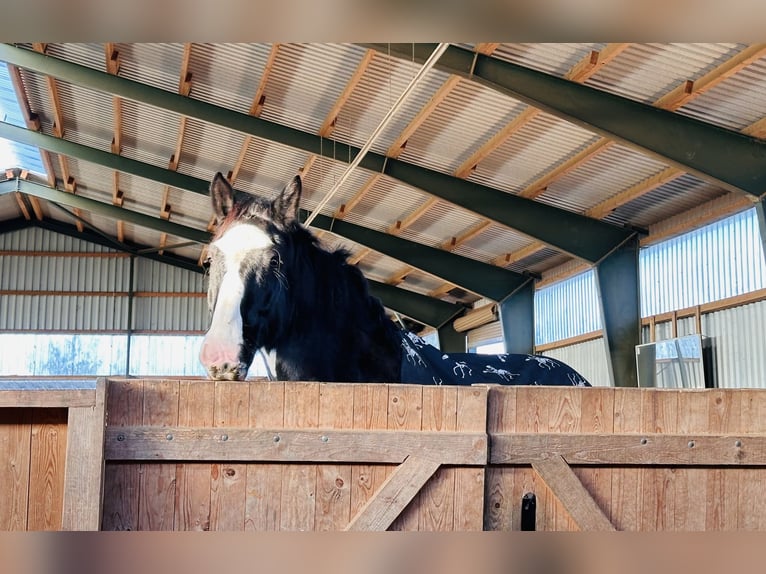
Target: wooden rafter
341	212
22	206
402	224
396	148
487	48
184	89
112	57
58	129
359	255
328	125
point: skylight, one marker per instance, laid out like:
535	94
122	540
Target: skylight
13	154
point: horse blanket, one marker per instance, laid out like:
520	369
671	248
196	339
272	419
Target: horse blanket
425	364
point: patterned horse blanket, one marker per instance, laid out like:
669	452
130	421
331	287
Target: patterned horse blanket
425	364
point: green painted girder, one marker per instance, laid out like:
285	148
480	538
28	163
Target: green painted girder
101	208
481	278
732	160
427	310
517	319
572	233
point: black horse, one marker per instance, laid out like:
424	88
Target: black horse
272	287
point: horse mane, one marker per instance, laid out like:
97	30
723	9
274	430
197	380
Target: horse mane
335	329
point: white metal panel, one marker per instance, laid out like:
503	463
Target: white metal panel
739	345
550	58
155	64
567	309
587	358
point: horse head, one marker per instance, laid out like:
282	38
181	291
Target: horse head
247	287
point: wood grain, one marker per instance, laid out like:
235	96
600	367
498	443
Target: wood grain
156	509
264	481
124	407
228	482
196	401
46	472
469	482
405	412
15	444
333	482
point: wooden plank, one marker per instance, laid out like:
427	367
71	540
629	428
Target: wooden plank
156	508
309	446
722	491
264	481
370	413
569	490
333	500
196	402
637	449
752	504
47	398
436	501
691	483
626	495
565	415
124	406
469	482
46	472
503	500
597	416
228	484
659	410
15	439
395	494
299	480
84	468
405	412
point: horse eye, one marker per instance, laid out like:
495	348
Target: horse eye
274	261
206	263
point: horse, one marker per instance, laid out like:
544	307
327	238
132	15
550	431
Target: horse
273	287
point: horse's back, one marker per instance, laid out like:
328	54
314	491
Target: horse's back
424	364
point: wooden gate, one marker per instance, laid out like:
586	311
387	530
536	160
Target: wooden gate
194	454
627	459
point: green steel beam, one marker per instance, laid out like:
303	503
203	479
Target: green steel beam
107	159
618	287
450	341
732	160
10	225
517	318
101	208
572	233
427	310
483	279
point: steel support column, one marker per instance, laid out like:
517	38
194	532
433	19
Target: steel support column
450	341
760	209
618	286
517	317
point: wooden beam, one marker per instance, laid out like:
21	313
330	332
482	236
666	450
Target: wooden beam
396	492
185	81
113	67
396	148
84	469
519	254
487	48
641	188
403	224
292	445
52	397
589	65
328	125
341	212
454	242
32	121
22	206
578	502
112	58
256	107
359	255
469	165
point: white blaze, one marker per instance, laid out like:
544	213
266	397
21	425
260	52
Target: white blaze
234	245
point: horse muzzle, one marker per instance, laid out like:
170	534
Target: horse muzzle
222	361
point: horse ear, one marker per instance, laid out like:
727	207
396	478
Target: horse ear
285	206
222	196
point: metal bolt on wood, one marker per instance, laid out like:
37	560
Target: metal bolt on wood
224	437
325	438
169	436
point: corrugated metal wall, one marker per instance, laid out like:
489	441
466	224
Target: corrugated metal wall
587	358
557	318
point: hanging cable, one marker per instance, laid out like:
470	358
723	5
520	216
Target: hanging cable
432	59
